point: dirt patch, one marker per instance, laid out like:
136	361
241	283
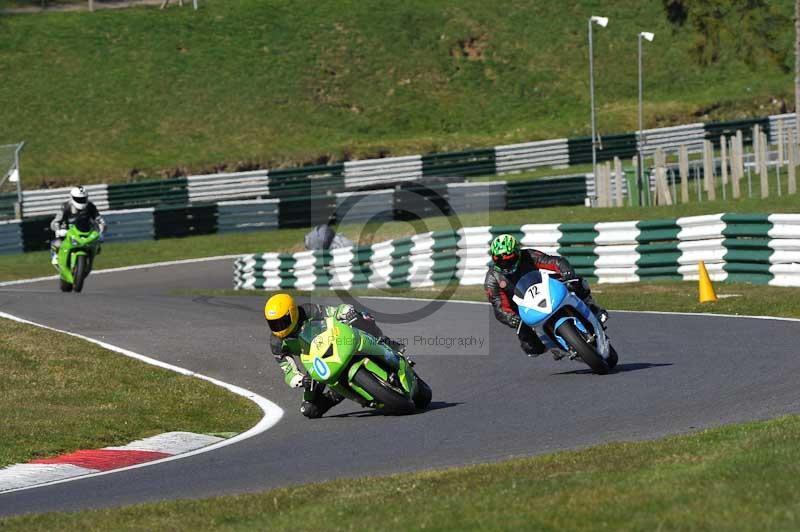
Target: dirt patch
472	47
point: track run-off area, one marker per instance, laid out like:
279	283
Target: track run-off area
677	373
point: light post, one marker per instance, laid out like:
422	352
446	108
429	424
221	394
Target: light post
602	22
640	160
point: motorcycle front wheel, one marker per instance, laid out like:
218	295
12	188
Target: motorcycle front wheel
79	273
393	402
575	339
64	286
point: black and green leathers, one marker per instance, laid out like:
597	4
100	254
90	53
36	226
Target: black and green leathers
316	399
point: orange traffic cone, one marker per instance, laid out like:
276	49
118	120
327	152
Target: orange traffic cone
707	292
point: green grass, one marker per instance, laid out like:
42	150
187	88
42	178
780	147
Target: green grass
741	477
26	265
120	94
52	400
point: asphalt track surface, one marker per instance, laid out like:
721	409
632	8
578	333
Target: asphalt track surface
676	374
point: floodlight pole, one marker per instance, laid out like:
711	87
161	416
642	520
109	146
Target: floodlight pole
602	21
640	159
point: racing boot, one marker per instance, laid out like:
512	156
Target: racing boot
317	401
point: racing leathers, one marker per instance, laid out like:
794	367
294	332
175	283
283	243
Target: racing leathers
68	215
499	289
316	399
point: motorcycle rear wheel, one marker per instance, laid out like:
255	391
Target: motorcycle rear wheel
613	358
79	273
423	394
393	402
575	339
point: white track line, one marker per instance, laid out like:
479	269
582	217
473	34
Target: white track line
711	314
127	268
272	412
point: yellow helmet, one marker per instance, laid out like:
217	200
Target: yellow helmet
281	314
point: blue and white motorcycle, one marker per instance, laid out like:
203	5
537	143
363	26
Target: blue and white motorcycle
563	322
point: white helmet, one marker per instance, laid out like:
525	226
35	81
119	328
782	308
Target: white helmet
78	198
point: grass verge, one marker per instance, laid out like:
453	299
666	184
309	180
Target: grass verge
263	82
52	401
741	477
21	266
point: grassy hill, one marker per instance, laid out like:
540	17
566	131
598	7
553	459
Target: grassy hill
124	94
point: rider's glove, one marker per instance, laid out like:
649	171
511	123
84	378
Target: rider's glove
61	233
300	381
514	321
346	313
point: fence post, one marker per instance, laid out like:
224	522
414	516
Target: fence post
663	197
618	177
792	147
607	183
762	170
683	166
757	146
736	169
723	165
708	169
600	184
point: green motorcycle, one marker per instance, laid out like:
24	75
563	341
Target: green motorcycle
362	369
76	257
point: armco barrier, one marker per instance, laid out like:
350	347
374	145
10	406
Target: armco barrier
372	206
519	157
251	215
739	247
36	234
147	194
10	237
408	201
8	201
371	172
180	221
216	187
477	197
47	201
388	172
125	226
569	190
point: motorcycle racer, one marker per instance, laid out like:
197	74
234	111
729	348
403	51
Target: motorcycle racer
285	319
509	263
78	210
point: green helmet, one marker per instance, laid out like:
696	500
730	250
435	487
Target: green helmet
505	253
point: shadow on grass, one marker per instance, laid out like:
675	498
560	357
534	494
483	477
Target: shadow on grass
435	405
621	368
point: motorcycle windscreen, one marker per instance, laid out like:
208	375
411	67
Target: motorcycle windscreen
538	300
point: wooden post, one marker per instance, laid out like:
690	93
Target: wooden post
631	192
756	146
723	164
91	5
683	166
780	143
618	180
607	184
663	196
762	170
736	174
792	147
599	185
708	170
